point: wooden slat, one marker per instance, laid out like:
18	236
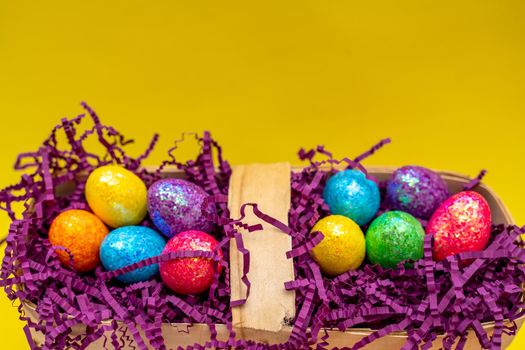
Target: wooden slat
269	304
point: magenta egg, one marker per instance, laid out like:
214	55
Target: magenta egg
462	223
190	275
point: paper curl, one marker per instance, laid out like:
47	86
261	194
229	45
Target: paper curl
425	299
54	182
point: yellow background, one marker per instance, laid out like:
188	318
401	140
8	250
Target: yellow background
444	79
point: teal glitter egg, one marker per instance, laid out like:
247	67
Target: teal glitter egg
130	244
393	237
351	194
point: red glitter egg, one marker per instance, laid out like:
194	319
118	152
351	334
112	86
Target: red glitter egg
461	223
82	234
189	275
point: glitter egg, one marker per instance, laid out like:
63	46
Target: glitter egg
351	194
189	275
416	190
127	245
175	206
81	233
116	195
342	247
393	237
461	224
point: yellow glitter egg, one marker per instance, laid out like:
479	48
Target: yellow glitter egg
82	234
343	246
116	195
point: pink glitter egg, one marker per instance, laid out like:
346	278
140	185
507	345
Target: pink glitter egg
189	275
461	223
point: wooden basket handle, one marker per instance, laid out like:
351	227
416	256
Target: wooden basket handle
269	305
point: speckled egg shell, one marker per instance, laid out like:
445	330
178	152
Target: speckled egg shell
116	195
189	275
81	232
416	190
175	206
342	247
130	244
393	237
461	224
351	194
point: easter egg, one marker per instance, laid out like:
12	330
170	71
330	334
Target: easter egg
175	206
462	223
416	190
127	245
351	194
342	247
189	275
81	233
393	237
116	195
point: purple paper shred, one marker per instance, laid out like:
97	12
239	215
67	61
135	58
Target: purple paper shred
93	297
476	181
425	300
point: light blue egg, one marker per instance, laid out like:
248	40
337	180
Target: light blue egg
351	194
130	244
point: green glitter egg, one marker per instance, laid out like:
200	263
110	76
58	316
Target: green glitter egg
393	237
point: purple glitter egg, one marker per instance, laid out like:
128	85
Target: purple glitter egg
175	206
416	190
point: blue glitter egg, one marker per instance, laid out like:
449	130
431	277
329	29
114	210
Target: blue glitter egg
130	244
351	194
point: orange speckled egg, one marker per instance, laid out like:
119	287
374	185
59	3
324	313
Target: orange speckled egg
117	196
82	233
